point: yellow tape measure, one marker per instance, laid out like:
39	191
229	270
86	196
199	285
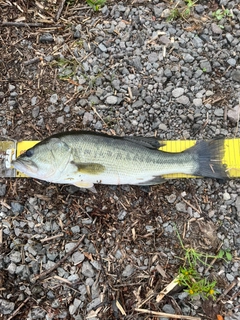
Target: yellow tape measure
231	156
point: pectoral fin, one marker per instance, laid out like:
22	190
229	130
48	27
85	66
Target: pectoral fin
85	185
89	168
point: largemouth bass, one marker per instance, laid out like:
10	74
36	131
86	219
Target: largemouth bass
85	158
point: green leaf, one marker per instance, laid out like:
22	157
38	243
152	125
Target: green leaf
220	254
228	256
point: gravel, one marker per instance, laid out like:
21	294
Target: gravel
125	69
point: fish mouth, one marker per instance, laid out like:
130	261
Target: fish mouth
27	168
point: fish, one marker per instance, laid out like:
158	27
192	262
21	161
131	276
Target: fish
85	158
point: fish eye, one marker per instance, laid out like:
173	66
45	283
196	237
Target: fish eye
29	153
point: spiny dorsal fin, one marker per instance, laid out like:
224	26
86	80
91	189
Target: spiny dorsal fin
148	142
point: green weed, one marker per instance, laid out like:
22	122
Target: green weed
220	14
190	278
182	11
96	4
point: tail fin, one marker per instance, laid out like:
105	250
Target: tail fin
209	155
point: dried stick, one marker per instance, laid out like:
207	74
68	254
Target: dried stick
59	10
16	311
167	289
45	273
21	24
167	315
31	61
232	285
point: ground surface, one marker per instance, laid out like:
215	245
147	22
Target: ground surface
117	71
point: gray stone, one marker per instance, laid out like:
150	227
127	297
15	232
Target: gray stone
237	204
137	104
46	38
73	307
206	66
153	57
3	189
199	8
11	87
93	304
77	257
16	207
198	73
219	112
69	246
38	313
6	307
236	75
12	268
33	101
181	207
15	257
168	309
54	98
93	99
35	111
102	47
197	102
158	11
136	61
230	277
216	29
162	127
88	117
183	100
188	58
232	62
60	120
177	92
87	269
229	37
95	291
75	229
168	73
111	100
116	84
226	196
164	40
171	198
234	114
52	109
197	42
23	271
128	271
77	34
122	214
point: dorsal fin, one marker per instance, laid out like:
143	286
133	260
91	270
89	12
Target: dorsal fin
148	142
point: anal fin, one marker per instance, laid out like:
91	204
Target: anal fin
153	181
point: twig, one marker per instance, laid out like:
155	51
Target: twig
16	311
232	285
190	205
22	24
45	273
167	289
60	8
53	237
1	233
167	315
31	61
